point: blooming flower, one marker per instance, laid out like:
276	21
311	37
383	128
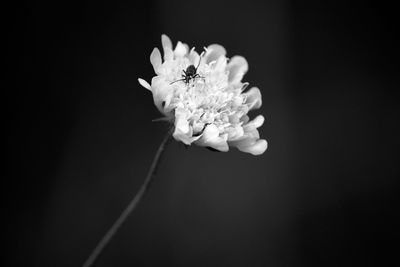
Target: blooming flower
203	95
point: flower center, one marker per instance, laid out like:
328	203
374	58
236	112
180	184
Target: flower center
210	100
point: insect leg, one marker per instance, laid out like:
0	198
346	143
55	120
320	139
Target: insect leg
198	63
177	81
198	76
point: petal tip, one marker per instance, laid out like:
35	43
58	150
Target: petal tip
155	58
166	41
144	84
257	148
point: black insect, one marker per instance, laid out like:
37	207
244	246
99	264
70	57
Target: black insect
189	74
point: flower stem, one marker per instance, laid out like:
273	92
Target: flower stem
131	206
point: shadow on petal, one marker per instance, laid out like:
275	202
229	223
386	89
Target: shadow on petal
237	67
211	138
253	98
214	51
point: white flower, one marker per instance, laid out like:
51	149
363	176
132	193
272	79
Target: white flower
206	101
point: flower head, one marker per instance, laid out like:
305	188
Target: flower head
203	95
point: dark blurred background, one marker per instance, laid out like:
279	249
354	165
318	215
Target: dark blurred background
80	137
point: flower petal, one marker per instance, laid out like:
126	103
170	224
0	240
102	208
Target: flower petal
144	84
161	92
167	48
183	131
258	121
186	48
253	98
211	138
256	148
166	42
245	119
220	65
180	50
168	54
214	51
155	59
254	124
181	122
237	67
179	135
194	57
235	133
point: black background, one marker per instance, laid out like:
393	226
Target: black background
80	137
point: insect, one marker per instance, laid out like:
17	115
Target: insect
189	74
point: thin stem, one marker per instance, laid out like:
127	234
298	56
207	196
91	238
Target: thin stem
131	206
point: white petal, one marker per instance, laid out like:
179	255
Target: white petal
183	137
167	47
237	67
253	98
254	124
183	131
245	119
194	57
180	50
161	91
247	139
258	121
211	138
187	138
168	54
220	65
144	84
181	123
186	48
235	133
155	59
214	51
168	100
256	148
166	42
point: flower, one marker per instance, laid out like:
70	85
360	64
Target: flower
203	95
